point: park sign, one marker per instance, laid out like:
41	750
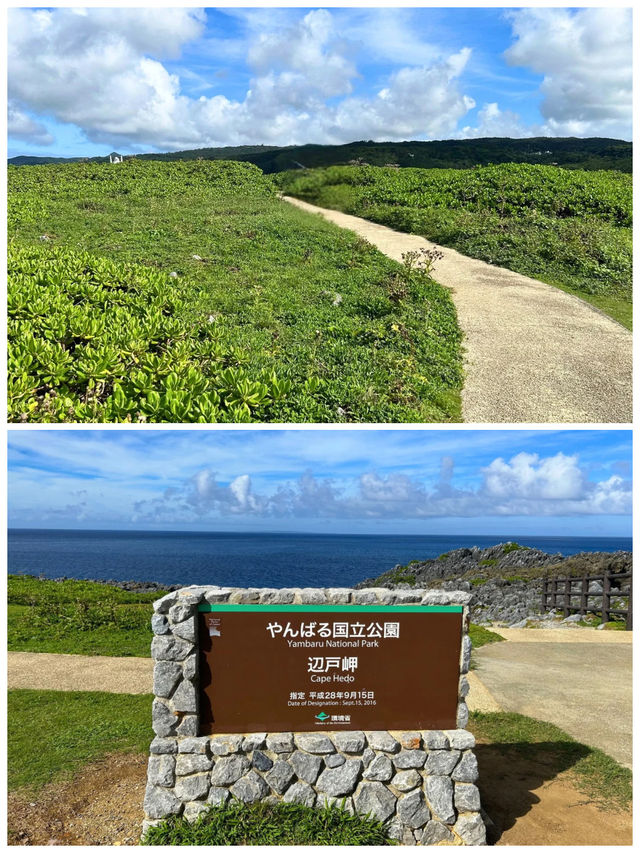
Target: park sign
301	668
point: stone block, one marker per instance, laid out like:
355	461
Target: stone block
440	762
409	740
166	675
160	802
192	763
188	726
436	739
318	744
409	759
170	648
280	742
218	796
250	788
467	769
194	787
225	744
180	612
192	811
163	721
163	604
229	769
340	781
159	624
194	744
185	697
376	799
383	742
380	770
334	760
301	793
466	797
439	791
163	746
471	829
255	740
412	810
436	833
306	766
261	761
406	780
280	776
351	742
161	770
460	739
186	630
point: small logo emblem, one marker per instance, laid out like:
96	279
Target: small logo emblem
322	716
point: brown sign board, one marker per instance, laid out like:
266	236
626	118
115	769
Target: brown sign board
304	668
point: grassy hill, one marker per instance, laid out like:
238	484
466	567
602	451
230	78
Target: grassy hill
189	292
571	153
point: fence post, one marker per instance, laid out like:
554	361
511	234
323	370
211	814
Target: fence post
567	597
606	597
544	595
630	605
584	598
554	593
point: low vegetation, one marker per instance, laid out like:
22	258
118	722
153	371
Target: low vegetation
52	734
188	292
569	228
594	773
77	617
272	824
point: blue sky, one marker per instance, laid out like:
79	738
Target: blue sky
86	81
506	482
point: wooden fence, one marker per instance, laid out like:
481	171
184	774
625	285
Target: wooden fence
561	594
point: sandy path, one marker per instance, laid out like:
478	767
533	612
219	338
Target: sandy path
42	671
534	354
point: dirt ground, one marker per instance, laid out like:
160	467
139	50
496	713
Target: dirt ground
528	803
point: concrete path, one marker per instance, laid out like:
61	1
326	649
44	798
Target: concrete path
36	671
582	686
534	354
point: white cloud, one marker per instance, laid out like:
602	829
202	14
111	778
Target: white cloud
526	484
585	57
492	121
101	70
21	126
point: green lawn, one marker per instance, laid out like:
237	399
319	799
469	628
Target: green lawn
52	734
271	315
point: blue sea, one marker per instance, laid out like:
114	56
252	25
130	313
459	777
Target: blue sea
247	559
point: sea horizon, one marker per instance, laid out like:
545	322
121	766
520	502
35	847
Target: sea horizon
250	558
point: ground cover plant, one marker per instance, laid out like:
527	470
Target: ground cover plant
51	733
188	292
570	228
77	617
273	824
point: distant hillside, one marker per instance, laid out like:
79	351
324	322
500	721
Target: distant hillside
572	153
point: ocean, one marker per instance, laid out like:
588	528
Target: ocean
247	559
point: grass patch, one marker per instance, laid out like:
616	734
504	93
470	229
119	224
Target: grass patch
482	636
77	617
272	824
595	774
571	229
272	315
51	734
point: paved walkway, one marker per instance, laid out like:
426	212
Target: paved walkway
534	354
580	680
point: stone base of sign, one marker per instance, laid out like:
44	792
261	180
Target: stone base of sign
421	782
